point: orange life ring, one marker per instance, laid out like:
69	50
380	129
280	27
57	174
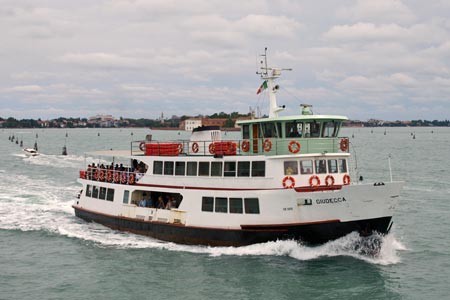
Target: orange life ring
329	180
131	178
96	174
116	177
346	179
267	145
312	179
101	175
245	145
124	178
295	149
291	184
180	148
142	146
195	147
109	176
212	148
344	145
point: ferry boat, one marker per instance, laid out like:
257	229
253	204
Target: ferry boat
286	177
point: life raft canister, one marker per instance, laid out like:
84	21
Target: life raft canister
267	145
294	147
288	182
314	181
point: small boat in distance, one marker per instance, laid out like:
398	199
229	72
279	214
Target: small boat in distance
285	177
30	152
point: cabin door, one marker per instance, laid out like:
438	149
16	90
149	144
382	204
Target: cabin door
255	136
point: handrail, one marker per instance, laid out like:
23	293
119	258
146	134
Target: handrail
111	175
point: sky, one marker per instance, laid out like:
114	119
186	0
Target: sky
384	59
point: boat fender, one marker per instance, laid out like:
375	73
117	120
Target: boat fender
294	149
142	146
314	181
344	145
195	147
267	145
288	182
245	146
329	180
346	179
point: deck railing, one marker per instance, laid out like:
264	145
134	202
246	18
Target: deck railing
111	175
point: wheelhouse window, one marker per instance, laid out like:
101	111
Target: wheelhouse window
236	206
191	168
291	167
216	168
332	166
244	169
221	205
203	168
343	166
229	169
168	168
321	166
245	132
157	167
258	168
306	166
329	129
251	205
180	168
293	129
207	204
312	129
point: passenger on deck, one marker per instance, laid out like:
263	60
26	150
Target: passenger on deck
150	202
161	203
143	203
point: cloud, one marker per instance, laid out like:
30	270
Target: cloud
24	89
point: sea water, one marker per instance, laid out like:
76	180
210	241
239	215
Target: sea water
48	253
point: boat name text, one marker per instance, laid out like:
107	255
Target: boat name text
330	200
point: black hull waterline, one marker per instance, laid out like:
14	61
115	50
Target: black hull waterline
311	233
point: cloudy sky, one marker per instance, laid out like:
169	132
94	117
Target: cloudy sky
386	59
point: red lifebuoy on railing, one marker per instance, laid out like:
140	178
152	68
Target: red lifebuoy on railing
131	178
288	182
123	179
194	147
116	177
267	145
109	176
294	149
314	181
245	145
329	180
101	175
344	145
96	175
142	146
212	148
346	179
180	148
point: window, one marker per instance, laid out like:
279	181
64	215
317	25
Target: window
332	166
221	205
88	190
168	168
203	168
179	168
293	129
312	129
329	129
290	167
110	195
102	194
251	205
94	191
258	168
207	204
191	168
342	166
245	132
230	169
126	195
235	205
321	167
244	169
216	168
270	129
157	167
306	166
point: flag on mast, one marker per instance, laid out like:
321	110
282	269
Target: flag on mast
262	87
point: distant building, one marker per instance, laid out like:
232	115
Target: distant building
102	121
190	124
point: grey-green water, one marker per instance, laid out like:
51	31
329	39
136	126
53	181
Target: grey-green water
47	253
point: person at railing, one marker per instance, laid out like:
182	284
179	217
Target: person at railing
143	202
160	203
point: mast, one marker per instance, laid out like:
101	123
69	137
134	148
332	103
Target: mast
272	88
